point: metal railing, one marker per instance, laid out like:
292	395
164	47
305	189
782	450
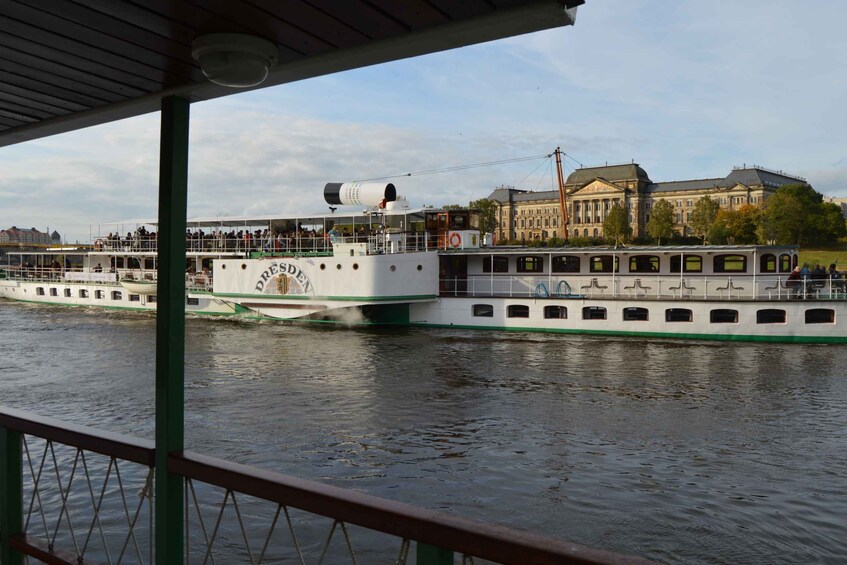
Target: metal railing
707	287
61	507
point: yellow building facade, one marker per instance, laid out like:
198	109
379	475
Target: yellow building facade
593	191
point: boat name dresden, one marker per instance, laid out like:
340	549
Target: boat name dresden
289	269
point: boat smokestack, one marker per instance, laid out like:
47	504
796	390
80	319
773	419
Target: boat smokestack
360	193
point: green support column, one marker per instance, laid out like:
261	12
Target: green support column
170	328
430	555
11	494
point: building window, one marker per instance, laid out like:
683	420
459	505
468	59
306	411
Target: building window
767	263
820	316
723	316
565	264
500	263
678	315
483	311
530	264
593	313
679	217
679	203
517	311
770	316
730	264
555	312
644	264
689	203
634	314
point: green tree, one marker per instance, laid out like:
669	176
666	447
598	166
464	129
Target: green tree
661	222
737	227
452	207
616	225
487	214
703	216
796	213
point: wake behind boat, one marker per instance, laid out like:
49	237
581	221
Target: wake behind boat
390	264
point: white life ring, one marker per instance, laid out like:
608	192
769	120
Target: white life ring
455	240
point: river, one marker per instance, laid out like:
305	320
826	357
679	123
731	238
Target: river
678	451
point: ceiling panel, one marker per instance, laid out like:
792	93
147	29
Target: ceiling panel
68	64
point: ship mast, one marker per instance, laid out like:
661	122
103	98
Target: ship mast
562	195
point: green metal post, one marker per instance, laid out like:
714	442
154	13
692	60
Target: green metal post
11	494
431	555
170	327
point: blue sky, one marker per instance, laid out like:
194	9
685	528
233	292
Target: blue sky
686	89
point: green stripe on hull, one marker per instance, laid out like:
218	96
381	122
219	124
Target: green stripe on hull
665	335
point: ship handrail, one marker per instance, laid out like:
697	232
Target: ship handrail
496	543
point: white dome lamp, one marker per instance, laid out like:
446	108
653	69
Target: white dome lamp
234	59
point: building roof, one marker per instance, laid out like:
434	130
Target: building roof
67	64
611	173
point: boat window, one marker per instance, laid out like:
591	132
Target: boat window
678	315
644	264
565	264
767	263
730	264
723	316
67	293
134	297
692	263
593	313
99	294
192	301
820	316
54	292
770	316
39	291
83	293
603	264
517	311
116	295
151	299
555	312
500	264
483	311
785	263
530	264
635	314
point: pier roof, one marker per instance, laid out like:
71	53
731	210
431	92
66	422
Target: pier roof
67	65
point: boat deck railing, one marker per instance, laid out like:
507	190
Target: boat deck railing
389	241
707	287
74	494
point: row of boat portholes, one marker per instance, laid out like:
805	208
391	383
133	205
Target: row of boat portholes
392	268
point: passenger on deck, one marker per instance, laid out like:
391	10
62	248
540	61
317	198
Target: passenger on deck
98	268
836	280
794	281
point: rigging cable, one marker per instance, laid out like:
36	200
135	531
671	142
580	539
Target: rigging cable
457	168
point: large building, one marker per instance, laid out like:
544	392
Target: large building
32	236
591	193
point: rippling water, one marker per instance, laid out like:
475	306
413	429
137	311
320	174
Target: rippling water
677	451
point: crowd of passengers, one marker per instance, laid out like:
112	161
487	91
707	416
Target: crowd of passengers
804	279
242	240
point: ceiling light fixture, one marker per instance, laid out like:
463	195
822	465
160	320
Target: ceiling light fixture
234	59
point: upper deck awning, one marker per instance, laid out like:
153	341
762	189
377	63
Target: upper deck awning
66	65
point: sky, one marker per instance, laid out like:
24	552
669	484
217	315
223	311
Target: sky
686	89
